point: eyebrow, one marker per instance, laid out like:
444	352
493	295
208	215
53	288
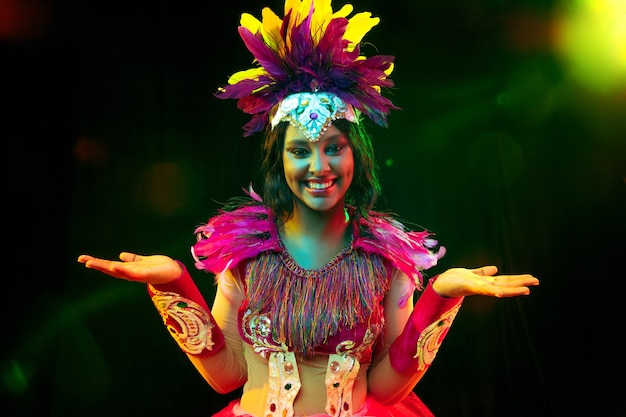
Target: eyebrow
323	138
297	141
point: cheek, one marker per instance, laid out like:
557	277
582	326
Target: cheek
287	165
292	169
350	175
350	168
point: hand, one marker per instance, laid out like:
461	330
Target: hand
459	282
152	269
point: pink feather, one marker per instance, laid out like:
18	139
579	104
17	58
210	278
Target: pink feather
233	236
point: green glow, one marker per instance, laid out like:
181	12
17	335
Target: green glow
15	376
65	330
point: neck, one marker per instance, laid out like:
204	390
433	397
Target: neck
313	238
325	225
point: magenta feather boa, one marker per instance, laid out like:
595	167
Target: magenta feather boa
233	236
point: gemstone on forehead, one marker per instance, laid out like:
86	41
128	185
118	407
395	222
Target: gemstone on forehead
313	112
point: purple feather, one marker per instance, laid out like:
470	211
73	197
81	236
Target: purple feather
262	53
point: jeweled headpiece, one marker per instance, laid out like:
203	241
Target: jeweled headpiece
309	69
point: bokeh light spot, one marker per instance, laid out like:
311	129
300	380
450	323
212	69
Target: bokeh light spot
90	150
592	41
502	99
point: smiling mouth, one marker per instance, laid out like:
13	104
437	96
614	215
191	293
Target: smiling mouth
319	186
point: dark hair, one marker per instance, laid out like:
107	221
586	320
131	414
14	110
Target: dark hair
363	191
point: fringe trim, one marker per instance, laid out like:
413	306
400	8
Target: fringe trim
316	304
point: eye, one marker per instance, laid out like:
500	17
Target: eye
334	148
299	152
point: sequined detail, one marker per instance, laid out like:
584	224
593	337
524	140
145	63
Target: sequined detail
283	387
343	369
289	368
432	336
258	330
193	329
340	376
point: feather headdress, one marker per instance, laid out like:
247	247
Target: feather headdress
311	50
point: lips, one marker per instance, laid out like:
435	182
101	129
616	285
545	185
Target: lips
318	186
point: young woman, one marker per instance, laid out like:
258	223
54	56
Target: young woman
313	313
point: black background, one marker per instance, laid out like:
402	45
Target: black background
113	141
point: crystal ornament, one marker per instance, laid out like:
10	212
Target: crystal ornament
313	112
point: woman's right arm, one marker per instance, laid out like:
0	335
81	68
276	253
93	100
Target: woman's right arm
209	337
226	370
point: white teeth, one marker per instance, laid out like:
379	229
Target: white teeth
319	186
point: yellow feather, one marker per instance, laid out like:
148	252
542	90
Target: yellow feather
250	22
359	25
390	69
294	6
319	19
344	11
271	29
291	5
303	10
249	74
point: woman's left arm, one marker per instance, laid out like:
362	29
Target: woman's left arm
413	335
383	382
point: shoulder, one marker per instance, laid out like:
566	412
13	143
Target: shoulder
410	251
234	235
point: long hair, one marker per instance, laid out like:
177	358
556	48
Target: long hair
363	191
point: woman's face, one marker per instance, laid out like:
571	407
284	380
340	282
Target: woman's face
318	173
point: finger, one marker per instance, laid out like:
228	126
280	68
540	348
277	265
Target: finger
112	268
100	264
513	292
84	258
129	257
516	280
486	271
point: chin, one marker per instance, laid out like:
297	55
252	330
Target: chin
321	206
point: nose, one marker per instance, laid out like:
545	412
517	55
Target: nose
319	164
